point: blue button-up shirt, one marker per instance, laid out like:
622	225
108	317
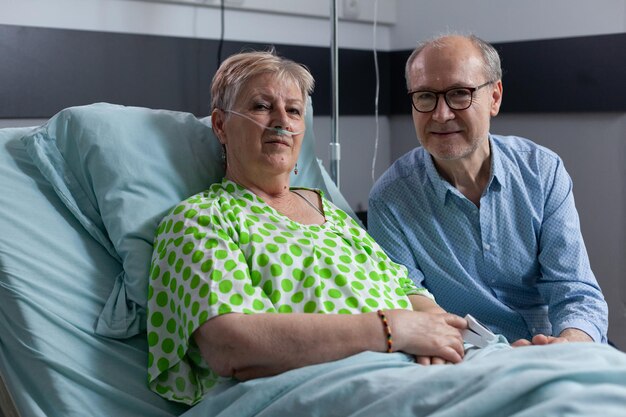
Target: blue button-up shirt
518	263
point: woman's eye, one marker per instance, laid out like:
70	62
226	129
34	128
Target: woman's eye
261	106
295	111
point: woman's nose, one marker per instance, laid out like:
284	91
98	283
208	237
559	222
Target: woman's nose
280	118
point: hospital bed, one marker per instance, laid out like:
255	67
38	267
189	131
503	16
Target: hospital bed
80	198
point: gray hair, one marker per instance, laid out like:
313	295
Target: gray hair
491	59
237	69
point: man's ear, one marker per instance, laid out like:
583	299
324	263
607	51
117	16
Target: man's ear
496	98
218	118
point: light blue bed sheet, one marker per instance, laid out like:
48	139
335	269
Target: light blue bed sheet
575	379
54	280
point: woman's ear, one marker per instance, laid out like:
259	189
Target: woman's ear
218	118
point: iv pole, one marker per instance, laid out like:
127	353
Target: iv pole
335	154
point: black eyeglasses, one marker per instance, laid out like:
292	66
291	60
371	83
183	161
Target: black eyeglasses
457	98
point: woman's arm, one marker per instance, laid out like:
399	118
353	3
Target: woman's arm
246	346
425	304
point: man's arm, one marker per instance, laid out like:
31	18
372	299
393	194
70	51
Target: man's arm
577	309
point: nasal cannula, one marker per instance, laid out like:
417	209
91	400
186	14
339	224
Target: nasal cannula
278	130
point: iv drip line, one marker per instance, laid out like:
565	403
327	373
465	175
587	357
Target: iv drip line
376	138
277	130
335	146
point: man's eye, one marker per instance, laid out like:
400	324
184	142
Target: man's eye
295	111
425	96
459	93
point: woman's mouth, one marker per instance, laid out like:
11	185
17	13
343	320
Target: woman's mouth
278	141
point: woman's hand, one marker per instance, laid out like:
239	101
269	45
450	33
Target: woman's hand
427	305
431	360
433	338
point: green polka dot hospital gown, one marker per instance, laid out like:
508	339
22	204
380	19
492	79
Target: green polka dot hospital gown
225	250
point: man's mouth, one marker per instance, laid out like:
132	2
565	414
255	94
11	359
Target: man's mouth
446	132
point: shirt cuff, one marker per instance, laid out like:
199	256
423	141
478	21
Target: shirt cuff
583	325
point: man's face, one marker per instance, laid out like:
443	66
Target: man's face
445	133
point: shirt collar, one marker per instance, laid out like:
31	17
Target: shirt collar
498	173
440	185
443	187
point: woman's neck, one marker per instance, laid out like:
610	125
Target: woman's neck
267	187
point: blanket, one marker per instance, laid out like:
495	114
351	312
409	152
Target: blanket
571	379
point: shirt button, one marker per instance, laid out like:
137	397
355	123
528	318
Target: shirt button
486	246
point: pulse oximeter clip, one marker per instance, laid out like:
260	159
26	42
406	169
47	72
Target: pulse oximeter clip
476	333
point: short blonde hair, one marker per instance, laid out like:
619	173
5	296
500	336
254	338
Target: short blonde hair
237	69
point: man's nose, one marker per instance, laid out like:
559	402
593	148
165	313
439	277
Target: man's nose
442	111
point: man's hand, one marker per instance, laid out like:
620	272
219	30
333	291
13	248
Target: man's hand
539	339
575	335
567	335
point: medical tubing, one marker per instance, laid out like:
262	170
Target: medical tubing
377	93
274	129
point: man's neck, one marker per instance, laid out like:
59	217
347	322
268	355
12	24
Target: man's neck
469	175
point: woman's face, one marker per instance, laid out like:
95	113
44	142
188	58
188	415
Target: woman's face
254	151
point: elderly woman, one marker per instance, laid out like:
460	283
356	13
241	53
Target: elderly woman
238	269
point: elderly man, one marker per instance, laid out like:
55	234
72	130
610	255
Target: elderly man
487	223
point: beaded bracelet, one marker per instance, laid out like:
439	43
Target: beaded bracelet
387	330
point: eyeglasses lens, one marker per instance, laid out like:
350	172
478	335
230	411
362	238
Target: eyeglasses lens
456	99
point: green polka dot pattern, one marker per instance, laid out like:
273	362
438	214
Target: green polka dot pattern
225	250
